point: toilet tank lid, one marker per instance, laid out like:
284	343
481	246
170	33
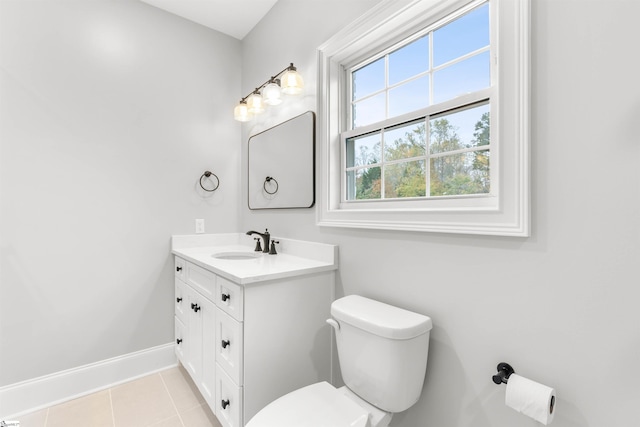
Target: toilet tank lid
379	318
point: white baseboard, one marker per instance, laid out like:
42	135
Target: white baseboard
37	393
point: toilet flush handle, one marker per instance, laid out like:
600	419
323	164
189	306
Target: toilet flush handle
333	323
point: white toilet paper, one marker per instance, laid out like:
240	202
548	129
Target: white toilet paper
531	398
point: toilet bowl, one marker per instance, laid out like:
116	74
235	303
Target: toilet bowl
320	405
382	351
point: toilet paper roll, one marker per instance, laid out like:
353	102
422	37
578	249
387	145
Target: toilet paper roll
530	398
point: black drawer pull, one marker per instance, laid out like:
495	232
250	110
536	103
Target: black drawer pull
178	268
225	403
196	308
226	297
178	299
179	340
225	343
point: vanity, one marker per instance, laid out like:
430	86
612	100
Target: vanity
250	326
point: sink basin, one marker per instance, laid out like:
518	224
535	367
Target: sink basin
237	256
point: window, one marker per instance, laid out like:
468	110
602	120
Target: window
443	153
423	116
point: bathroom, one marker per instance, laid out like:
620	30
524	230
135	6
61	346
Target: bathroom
110	111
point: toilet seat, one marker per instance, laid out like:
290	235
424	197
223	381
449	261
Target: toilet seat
317	405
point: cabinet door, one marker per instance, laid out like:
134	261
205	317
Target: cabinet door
193	349
228	407
180	342
180	300
229	345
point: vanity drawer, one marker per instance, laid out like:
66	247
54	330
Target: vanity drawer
202	280
229	298
180	300
179	267
229	348
228	407
180	343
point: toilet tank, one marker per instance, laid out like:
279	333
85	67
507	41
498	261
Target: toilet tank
382	351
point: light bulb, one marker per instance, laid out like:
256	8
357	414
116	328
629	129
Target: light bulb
271	94
241	112
255	103
291	81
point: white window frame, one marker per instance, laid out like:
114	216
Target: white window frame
505	211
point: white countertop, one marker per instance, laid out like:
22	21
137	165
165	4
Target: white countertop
294	258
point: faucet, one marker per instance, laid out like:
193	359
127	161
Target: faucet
265	238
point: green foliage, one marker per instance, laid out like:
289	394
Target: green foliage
368	185
450	174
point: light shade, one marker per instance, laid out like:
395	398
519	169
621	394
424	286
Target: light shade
291	81
241	112
271	94
255	103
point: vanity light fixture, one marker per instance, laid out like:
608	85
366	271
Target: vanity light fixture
287	81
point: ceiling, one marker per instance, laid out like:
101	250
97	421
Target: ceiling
232	17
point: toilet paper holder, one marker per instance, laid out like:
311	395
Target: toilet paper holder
504	372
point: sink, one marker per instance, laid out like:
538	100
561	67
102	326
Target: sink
237	256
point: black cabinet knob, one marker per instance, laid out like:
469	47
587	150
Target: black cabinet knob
193	306
178	299
196	308
226	297
225	343
225	403
179	340
178	268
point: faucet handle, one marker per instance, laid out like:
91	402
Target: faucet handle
258	247
272	251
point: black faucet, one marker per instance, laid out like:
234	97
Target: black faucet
265	238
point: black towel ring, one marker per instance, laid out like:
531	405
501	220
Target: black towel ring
269	179
208	174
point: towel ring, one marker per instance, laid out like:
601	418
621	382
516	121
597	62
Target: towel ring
269	179
208	174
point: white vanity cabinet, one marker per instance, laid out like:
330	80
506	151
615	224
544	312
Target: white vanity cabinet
247	344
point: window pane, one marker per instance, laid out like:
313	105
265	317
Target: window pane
408	97
466	173
462	129
369	110
363	150
363	184
405	179
409	60
464	35
462	77
405	141
368	79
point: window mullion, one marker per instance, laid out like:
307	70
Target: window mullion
427	167
382	163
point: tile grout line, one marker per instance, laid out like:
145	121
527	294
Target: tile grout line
113	415
171	398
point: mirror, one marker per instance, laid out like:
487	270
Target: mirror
282	165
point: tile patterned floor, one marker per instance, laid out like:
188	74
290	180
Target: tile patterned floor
166	399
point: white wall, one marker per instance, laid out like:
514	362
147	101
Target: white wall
110	112
560	306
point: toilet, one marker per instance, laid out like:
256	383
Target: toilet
382	351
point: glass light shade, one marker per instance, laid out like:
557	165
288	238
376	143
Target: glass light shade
291	82
241	112
255	103
271	94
